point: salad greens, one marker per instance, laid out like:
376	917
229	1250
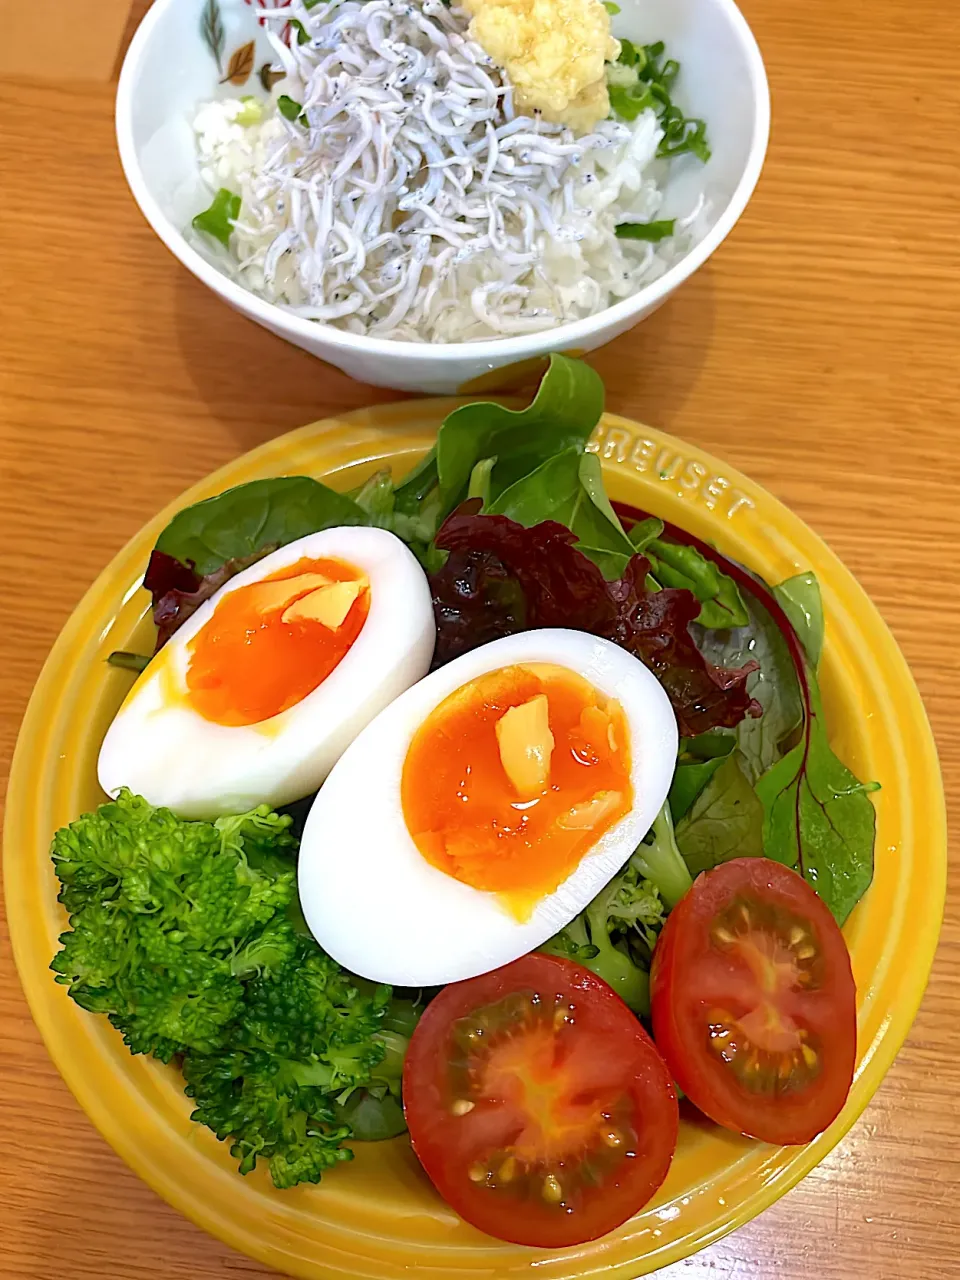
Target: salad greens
188	936
616	935
697	762
561	415
725	820
252	519
218	220
817	816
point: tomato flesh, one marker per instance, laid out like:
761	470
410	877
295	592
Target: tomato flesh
754	1004
537	1104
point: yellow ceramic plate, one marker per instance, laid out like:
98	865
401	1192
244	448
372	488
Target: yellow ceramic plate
378	1217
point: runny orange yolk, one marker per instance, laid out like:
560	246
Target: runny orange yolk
272	642
514	777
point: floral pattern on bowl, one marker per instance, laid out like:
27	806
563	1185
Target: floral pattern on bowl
217	33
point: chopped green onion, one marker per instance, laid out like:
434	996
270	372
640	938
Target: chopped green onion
682	134
251	112
128	661
611	8
652	232
218	220
639	80
629	101
628	53
303	35
289	108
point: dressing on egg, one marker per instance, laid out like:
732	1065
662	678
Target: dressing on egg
485	807
257	695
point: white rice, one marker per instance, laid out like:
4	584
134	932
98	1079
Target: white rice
415	205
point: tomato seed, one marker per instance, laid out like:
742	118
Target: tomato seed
552	1191
462	1107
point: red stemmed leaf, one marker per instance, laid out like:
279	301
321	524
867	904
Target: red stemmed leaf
178	591
501	578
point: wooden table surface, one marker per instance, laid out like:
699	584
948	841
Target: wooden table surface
818	351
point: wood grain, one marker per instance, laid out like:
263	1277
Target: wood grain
818	351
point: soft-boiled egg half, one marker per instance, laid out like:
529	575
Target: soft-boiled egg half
257	695
485	807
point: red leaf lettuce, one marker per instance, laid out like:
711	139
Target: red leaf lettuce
500	578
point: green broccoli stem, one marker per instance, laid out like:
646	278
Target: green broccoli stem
631	983
662	862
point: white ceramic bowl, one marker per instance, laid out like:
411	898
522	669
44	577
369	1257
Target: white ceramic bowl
170	68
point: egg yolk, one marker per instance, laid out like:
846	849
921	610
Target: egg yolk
272	642
514	777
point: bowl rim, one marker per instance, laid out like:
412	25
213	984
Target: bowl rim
271	314
632	452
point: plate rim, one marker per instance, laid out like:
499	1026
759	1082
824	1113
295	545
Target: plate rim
371	426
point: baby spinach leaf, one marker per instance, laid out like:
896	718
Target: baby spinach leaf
479	486
591	477
644	531
799	598
677	565
252	518
698	761
563	413
774	686
218	220
568	488
612	564
375	498
818	817
724	822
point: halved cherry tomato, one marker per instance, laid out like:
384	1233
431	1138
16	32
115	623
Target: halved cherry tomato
537	1104
754	1004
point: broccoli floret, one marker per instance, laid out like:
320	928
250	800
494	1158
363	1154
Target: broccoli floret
188	936
160	909
307	1038
615	935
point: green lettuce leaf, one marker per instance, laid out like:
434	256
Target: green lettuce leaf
568	488
675	565
800	600
563	414
819	818
775	685
698	761
724	822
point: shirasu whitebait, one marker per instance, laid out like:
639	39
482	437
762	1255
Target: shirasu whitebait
407	201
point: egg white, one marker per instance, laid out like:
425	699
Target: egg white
370	897
164	750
